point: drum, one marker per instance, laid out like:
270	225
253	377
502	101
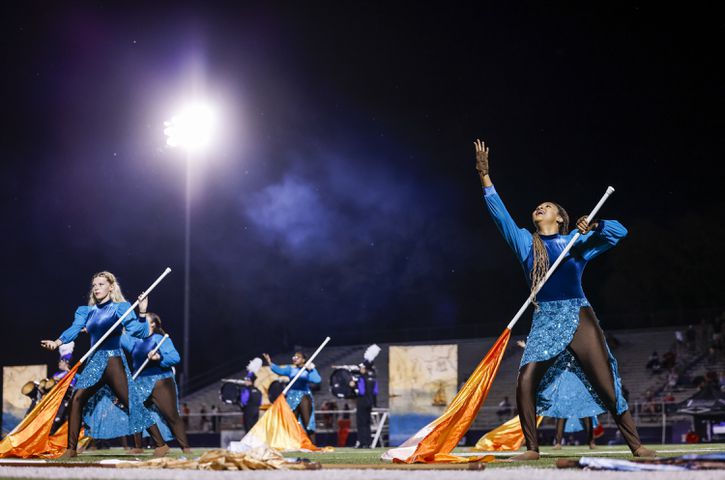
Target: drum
46	385
28	389
265	378
340	383
230	393
275	390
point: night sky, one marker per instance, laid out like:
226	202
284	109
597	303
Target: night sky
340	197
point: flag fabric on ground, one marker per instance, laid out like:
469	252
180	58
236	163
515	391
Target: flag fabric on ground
507	437
435	441
32	438
278	429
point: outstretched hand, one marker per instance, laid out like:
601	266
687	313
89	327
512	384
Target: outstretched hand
481	157
50	344
267	358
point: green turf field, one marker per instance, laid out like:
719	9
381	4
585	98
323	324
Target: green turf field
372	456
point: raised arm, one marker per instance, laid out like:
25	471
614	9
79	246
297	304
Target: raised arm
482	164
284	370
519	239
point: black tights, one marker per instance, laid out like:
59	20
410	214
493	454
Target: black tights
589	348
115	377
561	423
164	397
304	410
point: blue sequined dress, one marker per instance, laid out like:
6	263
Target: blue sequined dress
564	392
154	371
120	420
299	389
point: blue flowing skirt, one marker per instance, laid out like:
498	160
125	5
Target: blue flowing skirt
564	392
146	385
103	415
294	397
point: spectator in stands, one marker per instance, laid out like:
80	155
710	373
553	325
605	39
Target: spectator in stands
672	378
712	380
504	409
698	382
653	363
214	419
691	338
649	405
717	342
326	419
205	424
343	427
669	360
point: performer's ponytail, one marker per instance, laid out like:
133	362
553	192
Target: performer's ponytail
541	256
158	328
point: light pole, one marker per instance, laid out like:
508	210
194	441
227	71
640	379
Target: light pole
191	130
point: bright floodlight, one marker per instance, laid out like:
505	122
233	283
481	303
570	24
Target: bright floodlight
192	128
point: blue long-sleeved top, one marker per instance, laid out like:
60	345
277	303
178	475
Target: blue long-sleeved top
565	283
97	319
302	383
140	348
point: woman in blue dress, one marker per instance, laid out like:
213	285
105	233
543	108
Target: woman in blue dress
299	396
566	369
156	381
107	368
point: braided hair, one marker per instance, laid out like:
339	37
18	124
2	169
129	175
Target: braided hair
541	256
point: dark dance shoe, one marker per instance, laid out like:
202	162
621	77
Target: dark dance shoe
68	454
528	455
644	452
161	451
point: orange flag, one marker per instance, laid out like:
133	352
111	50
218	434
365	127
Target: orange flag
435	441
278	429
32	438
504	438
